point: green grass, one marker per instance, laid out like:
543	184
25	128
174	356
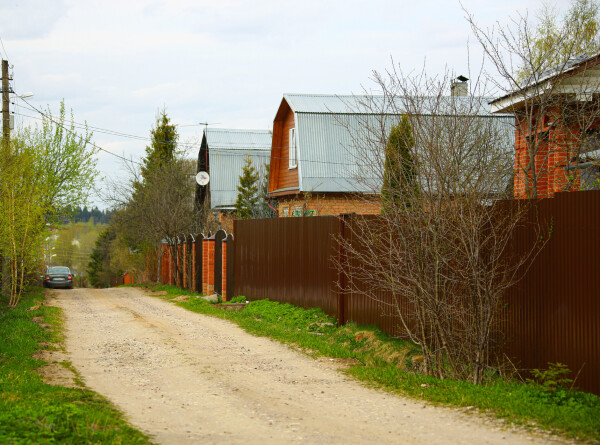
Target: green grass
34	412
386	362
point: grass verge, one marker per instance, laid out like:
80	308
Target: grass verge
392	364
32	411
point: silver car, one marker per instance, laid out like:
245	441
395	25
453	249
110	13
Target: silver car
58	277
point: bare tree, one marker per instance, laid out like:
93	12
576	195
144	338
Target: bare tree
439	254
547	77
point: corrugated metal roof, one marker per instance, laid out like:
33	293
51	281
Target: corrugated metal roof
227	151
220	138
379	104
332	136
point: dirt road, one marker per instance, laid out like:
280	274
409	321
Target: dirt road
187	378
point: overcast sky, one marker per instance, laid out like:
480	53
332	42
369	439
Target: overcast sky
116	63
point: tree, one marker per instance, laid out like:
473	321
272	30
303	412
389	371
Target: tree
65	160
555	39
247	198
44	171
545	81
99	268
399	167
438	256
163	145
22	218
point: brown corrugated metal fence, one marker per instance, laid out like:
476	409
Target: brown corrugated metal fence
552	315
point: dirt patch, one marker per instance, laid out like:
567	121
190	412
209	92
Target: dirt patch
40	323
57	374
159	293
181	298
57	370
382	350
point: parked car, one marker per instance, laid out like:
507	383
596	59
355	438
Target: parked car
58	277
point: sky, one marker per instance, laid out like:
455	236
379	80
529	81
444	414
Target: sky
227	62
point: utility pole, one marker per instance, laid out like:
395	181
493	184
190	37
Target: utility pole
5	141
5	104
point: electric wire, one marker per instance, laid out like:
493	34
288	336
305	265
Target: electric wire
231	152
97	147
4	49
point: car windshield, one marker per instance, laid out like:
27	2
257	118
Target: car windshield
58	270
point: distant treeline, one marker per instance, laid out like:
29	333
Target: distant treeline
83	214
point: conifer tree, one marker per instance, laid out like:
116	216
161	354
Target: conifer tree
247	198
399	171
163	145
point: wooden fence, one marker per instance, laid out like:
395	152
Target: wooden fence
551	315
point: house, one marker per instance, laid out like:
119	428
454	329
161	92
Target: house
557	120
222	155
316	166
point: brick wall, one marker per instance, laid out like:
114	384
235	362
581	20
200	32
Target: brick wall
224	272
556	146
208	266
328	204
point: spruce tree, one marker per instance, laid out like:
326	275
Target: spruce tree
163	145
399	180
247	198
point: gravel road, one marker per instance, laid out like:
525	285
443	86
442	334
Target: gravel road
186	378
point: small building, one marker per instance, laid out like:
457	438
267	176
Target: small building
316	166
557	120
222	155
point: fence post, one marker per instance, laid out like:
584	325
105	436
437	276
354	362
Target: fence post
341	260
198	262
230	269
219	237
208	266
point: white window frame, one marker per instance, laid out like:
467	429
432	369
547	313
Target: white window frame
293	149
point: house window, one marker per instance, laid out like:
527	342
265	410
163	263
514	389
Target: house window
298	211
293	149
285	211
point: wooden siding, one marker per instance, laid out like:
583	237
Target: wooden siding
282	176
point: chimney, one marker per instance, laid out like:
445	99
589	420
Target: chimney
459	87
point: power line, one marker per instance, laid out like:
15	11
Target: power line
3	49
219	151
75	134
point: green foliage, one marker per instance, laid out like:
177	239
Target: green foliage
99	268
22	219
163	145
399	179
553	378
238	299
66	161
44	171
247	198
34	412
556	39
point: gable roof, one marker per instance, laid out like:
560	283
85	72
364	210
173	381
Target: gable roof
227	153
579	75
328	128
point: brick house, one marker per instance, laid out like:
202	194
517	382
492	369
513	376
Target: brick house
316	168
557	119
222	155
312	167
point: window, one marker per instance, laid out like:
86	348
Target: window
285	211
293	149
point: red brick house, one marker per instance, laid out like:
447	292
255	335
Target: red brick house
557	122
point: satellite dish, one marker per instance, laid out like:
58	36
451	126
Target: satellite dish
202	178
